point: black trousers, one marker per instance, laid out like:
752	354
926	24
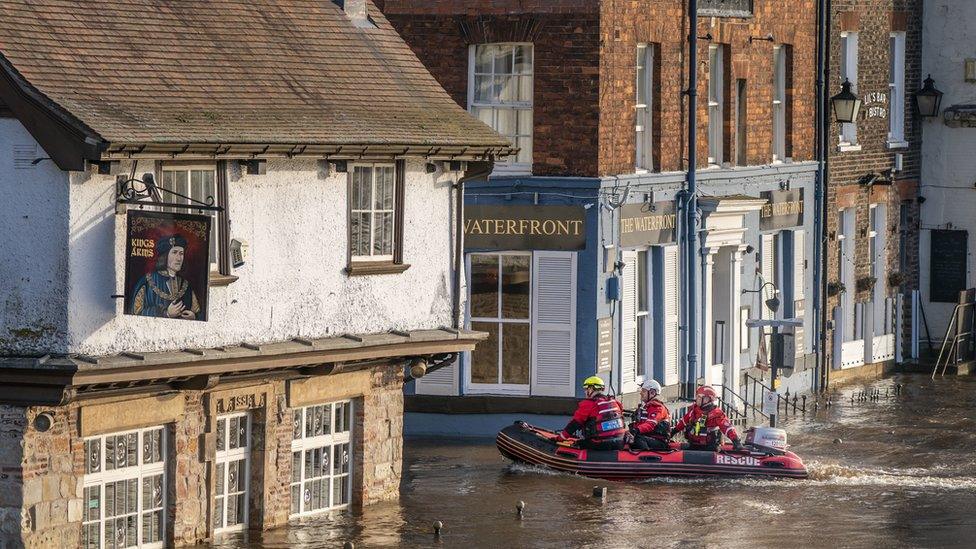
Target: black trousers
644	442
606	445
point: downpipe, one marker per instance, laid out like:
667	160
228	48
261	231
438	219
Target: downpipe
478	170
691	204
820	196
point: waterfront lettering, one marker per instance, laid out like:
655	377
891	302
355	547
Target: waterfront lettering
782	208
647	223
524	227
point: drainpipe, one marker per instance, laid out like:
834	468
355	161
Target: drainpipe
820	195
477	170
691	205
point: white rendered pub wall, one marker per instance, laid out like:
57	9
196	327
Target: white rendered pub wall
948	154
293	284
33	251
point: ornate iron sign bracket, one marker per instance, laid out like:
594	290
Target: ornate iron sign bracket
145	192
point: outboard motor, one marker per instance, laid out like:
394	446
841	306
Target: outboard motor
767	438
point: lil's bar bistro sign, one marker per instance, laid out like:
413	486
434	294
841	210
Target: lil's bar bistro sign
525	227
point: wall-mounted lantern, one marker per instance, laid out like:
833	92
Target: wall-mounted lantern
846	104
928	99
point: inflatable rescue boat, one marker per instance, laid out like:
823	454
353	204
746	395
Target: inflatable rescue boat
763	455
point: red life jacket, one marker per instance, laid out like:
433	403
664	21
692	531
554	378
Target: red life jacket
608	420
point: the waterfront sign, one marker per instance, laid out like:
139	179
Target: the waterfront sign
167	265
783	210
646	224
525	227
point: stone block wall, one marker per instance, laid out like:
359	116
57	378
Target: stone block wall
874	20
42	473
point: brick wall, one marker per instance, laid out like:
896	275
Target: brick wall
585	72
874	20
565	38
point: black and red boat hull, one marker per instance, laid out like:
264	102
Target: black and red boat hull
526	444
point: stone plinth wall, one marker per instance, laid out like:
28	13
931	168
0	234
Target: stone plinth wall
42	474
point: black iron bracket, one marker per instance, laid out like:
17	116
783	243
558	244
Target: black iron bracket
145	192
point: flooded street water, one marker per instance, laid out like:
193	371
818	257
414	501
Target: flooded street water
903	476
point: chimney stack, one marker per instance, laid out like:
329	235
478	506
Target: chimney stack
355	10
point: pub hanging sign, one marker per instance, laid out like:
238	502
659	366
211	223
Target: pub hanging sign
647	224
783	210
519	227
167	265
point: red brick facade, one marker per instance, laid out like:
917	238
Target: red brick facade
585	63
874	20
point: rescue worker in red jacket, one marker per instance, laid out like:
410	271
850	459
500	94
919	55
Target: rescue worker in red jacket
705	423
598	423
651	428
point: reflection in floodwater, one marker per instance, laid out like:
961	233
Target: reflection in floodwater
904	475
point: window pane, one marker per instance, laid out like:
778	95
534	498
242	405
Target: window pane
483	57
384	188
341	463
515	353
221	434
642	296
484	286
360	233
523	59
383	240
484	114
515	286
93	503
361	187
525	149
297	434
505	60
525	89
93	449
506	88
296	466
221	473
484	358
483	90
505	123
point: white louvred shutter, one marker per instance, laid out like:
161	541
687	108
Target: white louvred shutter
628	309
553	323
767	270
799	275
672	340
442	381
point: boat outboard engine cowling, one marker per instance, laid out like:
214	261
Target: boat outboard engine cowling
767	438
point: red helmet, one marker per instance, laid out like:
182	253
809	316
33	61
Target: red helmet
708	393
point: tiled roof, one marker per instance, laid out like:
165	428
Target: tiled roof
230	71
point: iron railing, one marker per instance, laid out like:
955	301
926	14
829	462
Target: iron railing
952	354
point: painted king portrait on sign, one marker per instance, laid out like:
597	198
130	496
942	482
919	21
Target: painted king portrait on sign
167	265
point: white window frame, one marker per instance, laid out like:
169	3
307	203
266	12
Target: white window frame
896	91
716	104
645	361
98	480
643	111
779	103
167	170
372	211
523	115
330	440
849	57
846	240
499	388
223	459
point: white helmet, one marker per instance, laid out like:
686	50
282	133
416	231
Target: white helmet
651	385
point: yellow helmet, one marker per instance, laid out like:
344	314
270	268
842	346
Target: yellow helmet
593	381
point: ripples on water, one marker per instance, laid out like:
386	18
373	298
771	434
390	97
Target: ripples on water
904	476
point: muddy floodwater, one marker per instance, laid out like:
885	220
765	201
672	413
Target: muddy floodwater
904	475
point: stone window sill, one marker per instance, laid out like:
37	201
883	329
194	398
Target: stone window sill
897	145
220	279
847	147
366	268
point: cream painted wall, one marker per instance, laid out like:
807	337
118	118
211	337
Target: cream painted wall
293	284
33	252
948	154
